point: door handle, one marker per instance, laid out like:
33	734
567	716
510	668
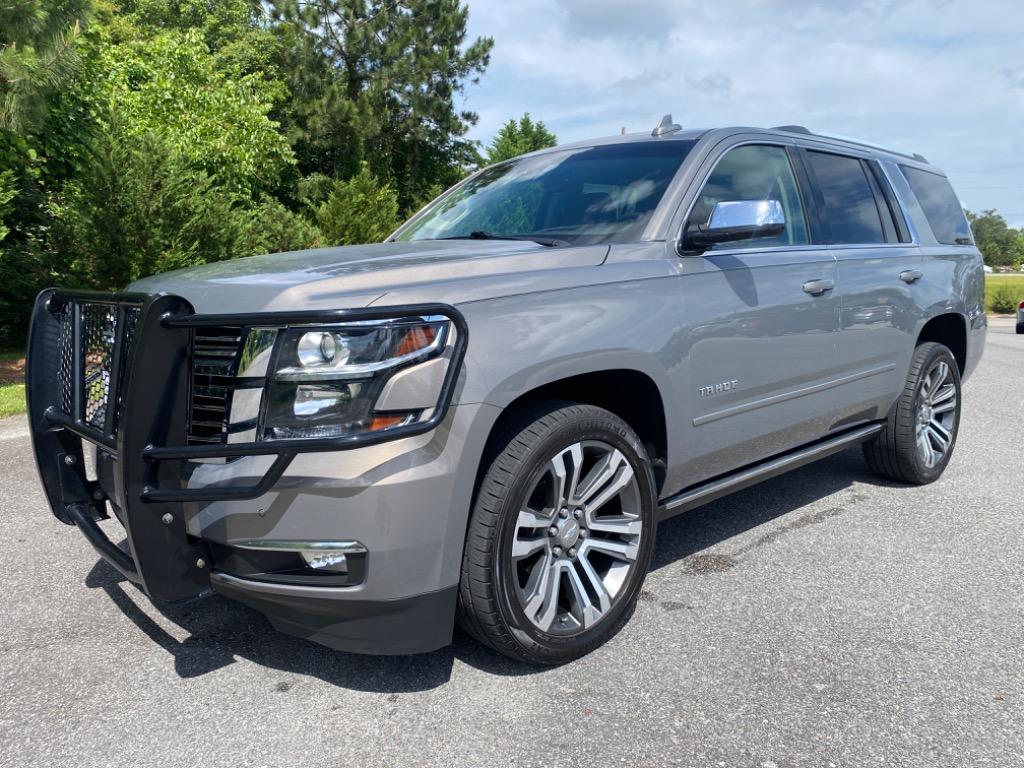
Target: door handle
818	287
911	275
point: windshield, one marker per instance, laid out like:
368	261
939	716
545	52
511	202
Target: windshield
591	195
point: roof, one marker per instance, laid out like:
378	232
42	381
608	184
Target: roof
787	131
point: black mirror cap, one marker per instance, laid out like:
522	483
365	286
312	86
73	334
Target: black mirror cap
699	237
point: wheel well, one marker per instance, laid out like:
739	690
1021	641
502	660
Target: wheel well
631	395
951	330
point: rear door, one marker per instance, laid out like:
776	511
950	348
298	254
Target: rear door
880	271
761	330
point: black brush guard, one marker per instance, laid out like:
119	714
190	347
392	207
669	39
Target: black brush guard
114	370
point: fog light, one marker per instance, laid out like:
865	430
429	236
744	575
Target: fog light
318	560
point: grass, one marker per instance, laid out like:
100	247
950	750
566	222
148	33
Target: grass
1012	283
12	355
12	399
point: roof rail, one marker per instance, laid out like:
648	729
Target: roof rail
837	137
792	129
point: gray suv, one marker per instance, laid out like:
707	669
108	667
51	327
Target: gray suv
483	419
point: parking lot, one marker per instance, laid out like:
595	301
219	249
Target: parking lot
822	618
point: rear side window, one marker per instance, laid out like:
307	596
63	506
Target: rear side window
938	201
850	208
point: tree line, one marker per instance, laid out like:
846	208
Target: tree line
999	243
138	136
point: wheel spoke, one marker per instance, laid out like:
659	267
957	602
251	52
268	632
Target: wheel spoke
620	550
530	519
541	603
604	600
939	437
549	605
945	393
924	448
617	476
522	548
937	379
598	476
623	525
946	407
566	479
585	611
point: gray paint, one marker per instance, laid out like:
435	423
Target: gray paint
804	366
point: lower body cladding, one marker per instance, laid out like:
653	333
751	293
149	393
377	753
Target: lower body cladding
397	510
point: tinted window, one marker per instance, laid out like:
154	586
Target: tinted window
849	209
589	195
938	201
754	172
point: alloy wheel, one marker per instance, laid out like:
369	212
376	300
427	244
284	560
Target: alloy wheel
577	537
936	414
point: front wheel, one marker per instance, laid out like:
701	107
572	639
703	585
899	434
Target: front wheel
560	537
919	436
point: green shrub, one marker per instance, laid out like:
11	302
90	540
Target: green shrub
360	210
1004	299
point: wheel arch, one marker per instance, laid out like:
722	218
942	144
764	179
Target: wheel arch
630	393
950	330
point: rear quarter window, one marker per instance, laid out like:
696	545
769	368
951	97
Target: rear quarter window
850	208
940	205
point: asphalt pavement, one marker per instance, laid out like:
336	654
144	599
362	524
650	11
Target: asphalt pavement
824	618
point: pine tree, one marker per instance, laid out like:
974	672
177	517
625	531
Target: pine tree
382	88
36	56
516	139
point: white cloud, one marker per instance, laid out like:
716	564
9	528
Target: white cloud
941	77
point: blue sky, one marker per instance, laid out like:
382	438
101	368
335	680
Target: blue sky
941	77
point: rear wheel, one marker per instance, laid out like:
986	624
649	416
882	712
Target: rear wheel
561	535
919	436
1020	327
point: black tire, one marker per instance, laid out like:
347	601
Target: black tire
489	606
1020	328
893	453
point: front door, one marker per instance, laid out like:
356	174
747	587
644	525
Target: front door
761	335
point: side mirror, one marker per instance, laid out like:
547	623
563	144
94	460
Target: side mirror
737	220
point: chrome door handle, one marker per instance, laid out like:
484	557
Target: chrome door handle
818	287
911	275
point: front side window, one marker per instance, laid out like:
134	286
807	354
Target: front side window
850	209
592	195
754	172
940	206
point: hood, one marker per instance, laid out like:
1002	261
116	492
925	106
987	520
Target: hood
356	276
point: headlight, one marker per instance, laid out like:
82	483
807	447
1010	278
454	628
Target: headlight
329	381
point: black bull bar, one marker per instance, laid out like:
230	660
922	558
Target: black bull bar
114	370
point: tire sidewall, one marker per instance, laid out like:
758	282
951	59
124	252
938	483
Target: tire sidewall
599	425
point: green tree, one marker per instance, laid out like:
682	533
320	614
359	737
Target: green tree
375	83
214	117
359	210
7	195
37	56
1000	244
518	138
141	207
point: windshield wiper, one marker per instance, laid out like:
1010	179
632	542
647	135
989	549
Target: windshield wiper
480	234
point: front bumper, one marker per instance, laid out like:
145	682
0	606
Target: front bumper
181	512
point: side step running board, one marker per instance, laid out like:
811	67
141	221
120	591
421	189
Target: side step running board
744	478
